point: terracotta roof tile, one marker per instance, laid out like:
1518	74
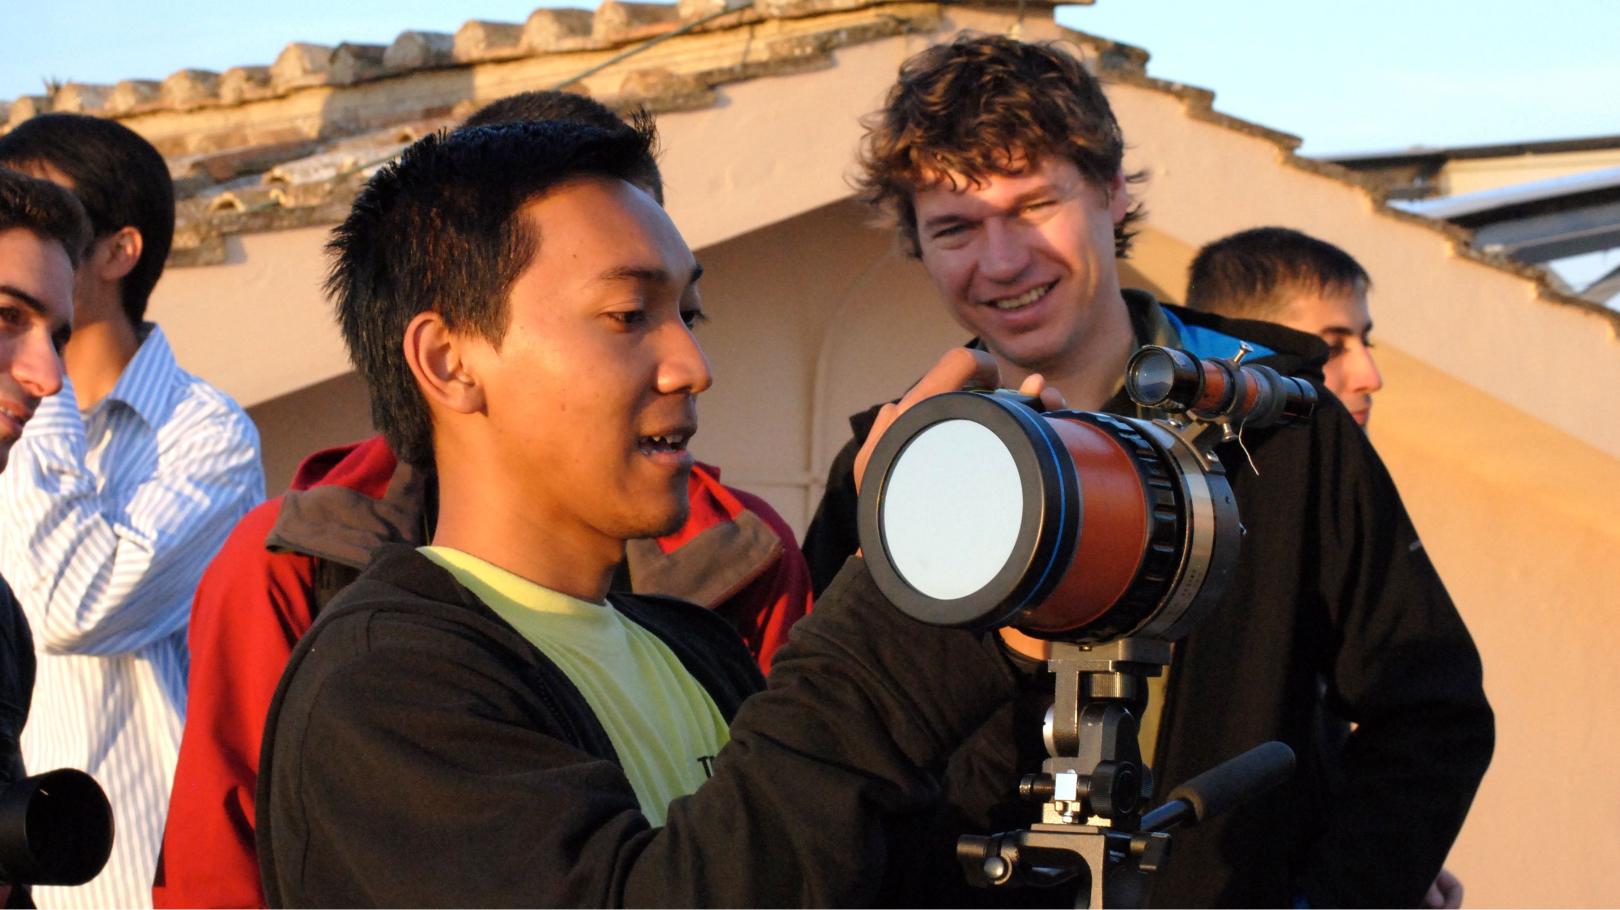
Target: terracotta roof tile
27	106
188	88
133	95
244	83
549	30
477	40
351	63
81	98
300	64
419	50
617	21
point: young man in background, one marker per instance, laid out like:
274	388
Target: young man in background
43	232
120	491
1280	275
1001	163
1276	274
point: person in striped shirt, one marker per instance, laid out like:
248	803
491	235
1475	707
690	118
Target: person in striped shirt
42	234
118	493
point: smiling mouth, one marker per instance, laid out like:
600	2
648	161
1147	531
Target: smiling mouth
1022	300
15	417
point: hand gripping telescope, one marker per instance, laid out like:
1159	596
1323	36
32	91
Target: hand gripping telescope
1109	536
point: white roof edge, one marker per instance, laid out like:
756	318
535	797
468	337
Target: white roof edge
1457	206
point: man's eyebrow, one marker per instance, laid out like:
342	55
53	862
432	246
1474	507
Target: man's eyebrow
1018	202
650	274
29	300
60	335
1345	330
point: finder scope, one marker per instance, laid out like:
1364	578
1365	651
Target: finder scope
1175	381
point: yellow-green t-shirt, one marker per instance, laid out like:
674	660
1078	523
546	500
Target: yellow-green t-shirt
662	722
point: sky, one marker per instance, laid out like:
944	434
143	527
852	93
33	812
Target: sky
1346	77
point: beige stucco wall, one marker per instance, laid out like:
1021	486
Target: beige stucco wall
1520	519
257	326
815	316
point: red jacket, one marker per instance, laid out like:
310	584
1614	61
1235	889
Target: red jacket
735	555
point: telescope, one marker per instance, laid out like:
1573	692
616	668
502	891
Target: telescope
1110	537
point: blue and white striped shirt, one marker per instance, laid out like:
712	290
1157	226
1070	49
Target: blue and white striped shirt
107	520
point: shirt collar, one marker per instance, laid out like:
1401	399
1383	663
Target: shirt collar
144	385
1149	321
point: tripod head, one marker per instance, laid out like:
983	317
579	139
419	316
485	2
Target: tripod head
1093	786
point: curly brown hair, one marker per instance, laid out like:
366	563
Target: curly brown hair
984	105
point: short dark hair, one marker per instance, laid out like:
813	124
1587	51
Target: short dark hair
1253	274
983	105
118	176
439	230
45	209
548	104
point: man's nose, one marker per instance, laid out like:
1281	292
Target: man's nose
1364	371
37	367
1004	252
684	367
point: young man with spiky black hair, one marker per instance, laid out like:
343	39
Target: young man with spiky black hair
288	557
478	721
1001	162
122	489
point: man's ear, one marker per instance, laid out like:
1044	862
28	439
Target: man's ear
436	358
1119	197
115	255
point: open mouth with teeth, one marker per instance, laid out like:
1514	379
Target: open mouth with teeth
668	443
1024	299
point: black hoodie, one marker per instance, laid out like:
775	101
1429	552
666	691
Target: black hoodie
420	752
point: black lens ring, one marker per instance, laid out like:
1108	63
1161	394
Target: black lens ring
1045	541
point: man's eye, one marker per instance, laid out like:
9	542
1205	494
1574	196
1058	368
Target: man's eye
11	315
628	318
694	318
951	237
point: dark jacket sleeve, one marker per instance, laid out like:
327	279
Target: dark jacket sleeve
413	766
16	683
1406	672
833	536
